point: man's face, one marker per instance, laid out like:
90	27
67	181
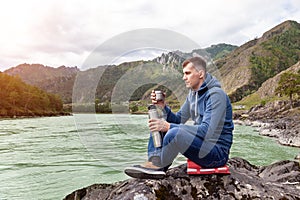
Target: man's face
193	78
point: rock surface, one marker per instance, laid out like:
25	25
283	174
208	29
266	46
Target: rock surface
275	119
280	180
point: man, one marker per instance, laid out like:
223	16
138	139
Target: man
207	142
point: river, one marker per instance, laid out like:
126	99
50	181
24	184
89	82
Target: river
49	157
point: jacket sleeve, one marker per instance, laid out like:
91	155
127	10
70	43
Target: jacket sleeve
181	116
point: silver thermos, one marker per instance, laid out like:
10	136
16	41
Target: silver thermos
156	136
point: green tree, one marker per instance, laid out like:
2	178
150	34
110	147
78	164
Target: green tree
97	102
289	84
133	108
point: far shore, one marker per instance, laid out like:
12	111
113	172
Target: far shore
35	116
267	129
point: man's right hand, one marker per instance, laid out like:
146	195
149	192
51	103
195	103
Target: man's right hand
160	103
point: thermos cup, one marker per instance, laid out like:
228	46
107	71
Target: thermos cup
159	95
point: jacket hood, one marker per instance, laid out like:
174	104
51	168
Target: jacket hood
210	82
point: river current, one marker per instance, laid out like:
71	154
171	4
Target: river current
50	157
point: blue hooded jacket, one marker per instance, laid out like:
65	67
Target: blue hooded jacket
211	111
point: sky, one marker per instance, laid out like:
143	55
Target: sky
56	33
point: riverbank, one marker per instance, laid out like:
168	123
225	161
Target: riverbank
50	114
275	119
278	130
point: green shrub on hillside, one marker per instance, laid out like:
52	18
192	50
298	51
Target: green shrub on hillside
289	85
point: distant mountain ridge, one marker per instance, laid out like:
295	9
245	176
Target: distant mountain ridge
31	73
61	80
175	59
53	80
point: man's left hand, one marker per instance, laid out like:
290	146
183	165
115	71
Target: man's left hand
158	125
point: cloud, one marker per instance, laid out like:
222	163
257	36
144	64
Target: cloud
132	44
56	33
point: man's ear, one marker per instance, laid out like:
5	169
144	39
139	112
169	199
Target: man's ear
201	74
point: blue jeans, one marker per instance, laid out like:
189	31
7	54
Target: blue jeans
178	140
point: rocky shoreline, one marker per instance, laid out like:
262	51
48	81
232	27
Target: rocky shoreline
276	130
280	180
274	120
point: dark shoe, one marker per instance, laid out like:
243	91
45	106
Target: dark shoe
145	171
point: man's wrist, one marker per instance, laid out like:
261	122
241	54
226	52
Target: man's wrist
167	126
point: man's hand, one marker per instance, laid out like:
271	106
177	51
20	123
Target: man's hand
158	103
158	125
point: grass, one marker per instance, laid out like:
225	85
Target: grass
255	100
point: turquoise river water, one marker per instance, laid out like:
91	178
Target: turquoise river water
50	157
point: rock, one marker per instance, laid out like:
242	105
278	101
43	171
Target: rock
275	119
280	180
285	129
270	132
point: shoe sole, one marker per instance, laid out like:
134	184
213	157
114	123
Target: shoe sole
144	174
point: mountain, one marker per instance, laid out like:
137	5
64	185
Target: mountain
220	50
266	93
61	80
125	82
53	80
21	99
175	59
267	89
107	77
248	66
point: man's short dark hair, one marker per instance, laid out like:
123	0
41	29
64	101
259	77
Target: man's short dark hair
198	62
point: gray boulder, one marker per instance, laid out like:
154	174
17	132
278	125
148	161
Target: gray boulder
280	180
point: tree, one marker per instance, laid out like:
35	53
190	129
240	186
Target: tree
289	84
97	102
